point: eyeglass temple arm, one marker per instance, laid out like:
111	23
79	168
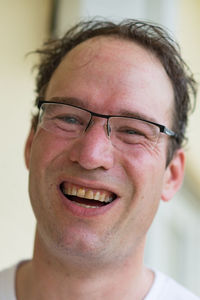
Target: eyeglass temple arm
169	132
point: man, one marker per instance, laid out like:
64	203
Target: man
104	149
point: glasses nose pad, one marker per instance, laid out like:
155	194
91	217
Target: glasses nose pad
108	128
89	123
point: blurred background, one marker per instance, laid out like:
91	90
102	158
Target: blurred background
173	244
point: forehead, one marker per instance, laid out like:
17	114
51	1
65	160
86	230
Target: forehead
104	70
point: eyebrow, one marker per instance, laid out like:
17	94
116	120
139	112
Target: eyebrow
70	100
122	113
127	113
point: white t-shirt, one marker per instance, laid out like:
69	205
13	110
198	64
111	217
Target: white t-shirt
163	288
7	284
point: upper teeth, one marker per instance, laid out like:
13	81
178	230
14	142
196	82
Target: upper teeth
82	192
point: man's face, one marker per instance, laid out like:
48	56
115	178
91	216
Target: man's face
107	76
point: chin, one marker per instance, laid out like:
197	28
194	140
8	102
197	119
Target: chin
74	242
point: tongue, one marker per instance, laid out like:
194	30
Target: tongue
86	201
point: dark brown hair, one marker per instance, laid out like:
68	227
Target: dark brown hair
150	36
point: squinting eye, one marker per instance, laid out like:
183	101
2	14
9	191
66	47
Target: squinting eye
130	132
69	119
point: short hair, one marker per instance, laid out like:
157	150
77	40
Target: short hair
148	35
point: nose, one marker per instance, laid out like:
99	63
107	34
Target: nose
93	149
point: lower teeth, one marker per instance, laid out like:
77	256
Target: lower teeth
85	205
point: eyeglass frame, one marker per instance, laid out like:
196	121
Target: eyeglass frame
163	128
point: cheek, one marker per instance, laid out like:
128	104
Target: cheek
146	171
46	148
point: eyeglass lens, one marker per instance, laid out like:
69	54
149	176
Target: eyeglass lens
71	122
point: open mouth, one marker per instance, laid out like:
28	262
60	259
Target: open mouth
87	198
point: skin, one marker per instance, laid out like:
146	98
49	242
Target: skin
99	256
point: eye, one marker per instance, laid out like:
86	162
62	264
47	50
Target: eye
130	131
70	120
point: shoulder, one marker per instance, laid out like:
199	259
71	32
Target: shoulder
165	288
7	283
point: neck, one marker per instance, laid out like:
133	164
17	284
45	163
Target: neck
47	277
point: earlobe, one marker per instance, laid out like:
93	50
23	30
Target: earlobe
28	145
173	175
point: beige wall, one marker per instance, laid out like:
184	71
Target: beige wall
23	27
68	14
189	37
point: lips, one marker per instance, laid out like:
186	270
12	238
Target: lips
86	197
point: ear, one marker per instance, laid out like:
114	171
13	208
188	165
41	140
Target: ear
28	145
173	175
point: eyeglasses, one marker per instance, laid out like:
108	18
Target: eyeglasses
70	121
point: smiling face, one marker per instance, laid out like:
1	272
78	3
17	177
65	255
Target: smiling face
107	76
